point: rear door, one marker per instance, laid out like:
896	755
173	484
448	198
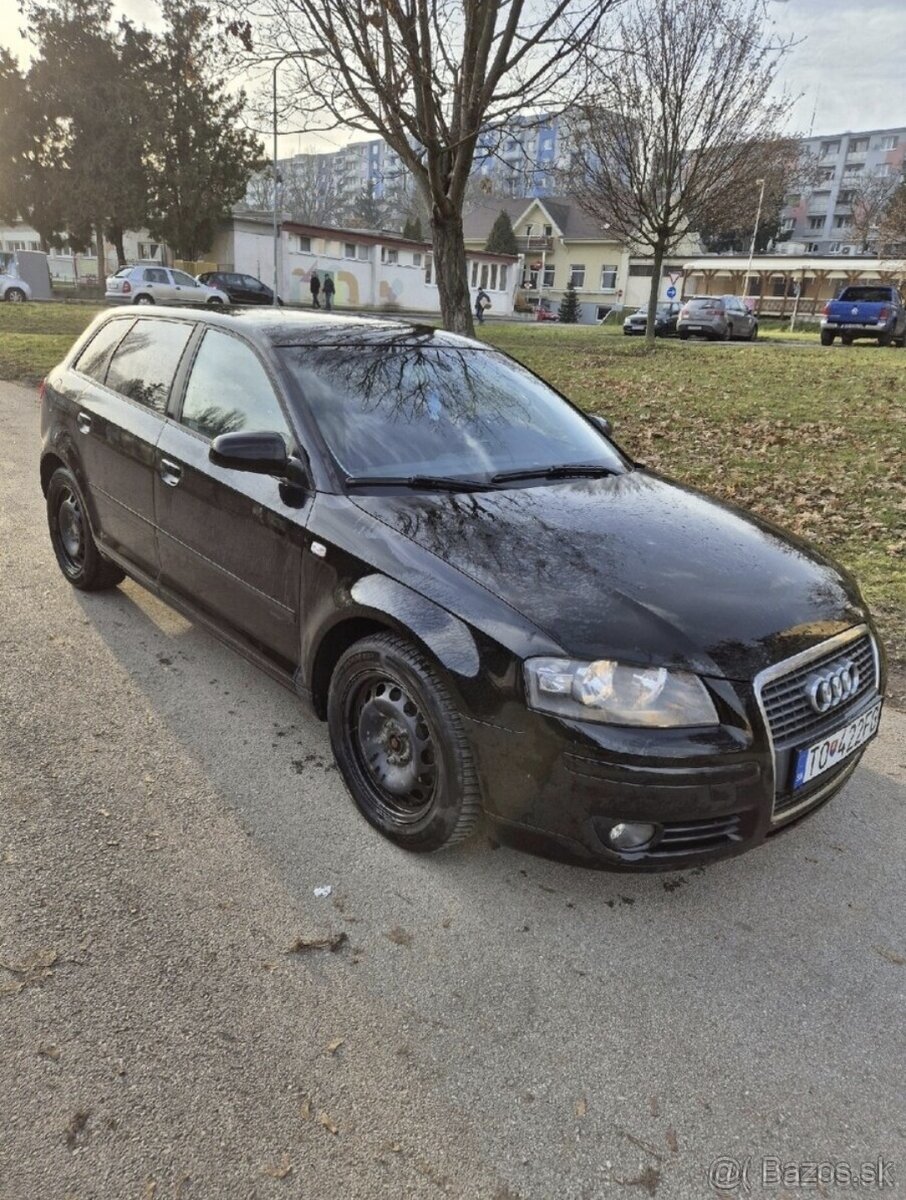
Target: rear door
128	368
231	541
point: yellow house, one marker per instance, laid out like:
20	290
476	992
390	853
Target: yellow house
558	241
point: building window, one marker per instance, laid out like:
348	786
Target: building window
503	275
834	248
845	197
548	231
493	284
792	200
841	222
349	249
826	174
641	270
601	311
529	229
429	267
858	146
363	252
577	275
829	148
889	142
812	247
608	279
816	222
303	244
548	280
484	275
852	169
474	274
148	250
417	259
885	170
389	256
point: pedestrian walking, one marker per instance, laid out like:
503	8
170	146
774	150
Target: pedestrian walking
315	286
482	301
328	292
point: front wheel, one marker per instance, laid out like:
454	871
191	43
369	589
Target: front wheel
884	339
15	295
215	300
73	542
400	745
143	300
753	336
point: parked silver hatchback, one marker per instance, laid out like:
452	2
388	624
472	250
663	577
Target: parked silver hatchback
159	285
719	318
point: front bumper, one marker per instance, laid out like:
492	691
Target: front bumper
556	788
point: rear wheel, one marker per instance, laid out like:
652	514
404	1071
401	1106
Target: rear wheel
70	534
15	295
400	745
143	299
215	300
827	338
683	335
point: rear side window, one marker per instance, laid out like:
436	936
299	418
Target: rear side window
145	362
156	275
95	358
229	391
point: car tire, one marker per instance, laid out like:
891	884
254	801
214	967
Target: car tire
753	336
73	543
215	301
401	746
143	299
15	295
827	338
682	335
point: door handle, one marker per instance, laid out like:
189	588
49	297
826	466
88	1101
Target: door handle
170	472
83	420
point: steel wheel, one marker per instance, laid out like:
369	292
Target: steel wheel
71	524
395	749
15	296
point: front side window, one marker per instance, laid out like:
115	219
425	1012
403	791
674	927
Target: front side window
95	358
439	411
183	279
145	362
229	391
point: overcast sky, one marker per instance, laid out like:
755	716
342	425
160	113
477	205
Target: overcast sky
848	65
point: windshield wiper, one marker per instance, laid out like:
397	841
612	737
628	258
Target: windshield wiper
441	483
564	471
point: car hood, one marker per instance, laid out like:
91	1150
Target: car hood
635	567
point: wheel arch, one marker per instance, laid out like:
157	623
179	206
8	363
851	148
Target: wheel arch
382	605
50	462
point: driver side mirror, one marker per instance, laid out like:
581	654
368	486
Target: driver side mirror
605	425
261	453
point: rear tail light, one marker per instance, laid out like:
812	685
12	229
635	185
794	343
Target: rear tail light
42	388
127	287
684	311
825	312
883	314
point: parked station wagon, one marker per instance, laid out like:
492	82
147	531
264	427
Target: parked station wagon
489	601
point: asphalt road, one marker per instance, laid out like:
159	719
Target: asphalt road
494	1025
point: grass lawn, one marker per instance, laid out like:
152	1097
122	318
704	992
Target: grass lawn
811	438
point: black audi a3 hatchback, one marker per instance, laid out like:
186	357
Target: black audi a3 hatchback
493	607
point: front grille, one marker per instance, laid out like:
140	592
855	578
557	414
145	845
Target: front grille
789	712
695	837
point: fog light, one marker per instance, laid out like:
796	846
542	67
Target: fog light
630	835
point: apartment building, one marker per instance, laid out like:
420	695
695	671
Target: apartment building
820	216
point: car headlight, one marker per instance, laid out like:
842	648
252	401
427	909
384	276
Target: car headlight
618	694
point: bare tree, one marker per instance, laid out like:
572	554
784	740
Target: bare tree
869	200
892	232
681	123
429	76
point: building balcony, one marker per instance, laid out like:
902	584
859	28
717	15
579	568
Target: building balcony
534	245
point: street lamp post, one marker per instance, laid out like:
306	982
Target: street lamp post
754	235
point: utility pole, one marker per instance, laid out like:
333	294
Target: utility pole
754	236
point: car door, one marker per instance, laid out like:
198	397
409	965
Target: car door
156	282
128	368
186	290
231	541
255	290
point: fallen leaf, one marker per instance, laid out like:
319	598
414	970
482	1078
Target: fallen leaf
400	937
332	942
76	1125
333	1047
891	955
150	1189
281	1170
49	1051
305	1109
581	1106
324	1119
672	1143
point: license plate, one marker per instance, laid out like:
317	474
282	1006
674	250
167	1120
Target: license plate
694	328
832	750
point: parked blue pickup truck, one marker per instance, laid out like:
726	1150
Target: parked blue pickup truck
865	311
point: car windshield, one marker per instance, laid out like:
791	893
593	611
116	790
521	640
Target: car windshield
451	412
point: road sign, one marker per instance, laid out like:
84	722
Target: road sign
671	293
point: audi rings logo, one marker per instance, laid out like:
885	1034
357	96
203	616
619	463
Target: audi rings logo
828	689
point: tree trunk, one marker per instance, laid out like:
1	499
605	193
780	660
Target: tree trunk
654	294
101	256
116	236
450	273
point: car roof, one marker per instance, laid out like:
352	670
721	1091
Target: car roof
282	327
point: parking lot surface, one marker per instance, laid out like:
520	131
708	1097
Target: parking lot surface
491	1025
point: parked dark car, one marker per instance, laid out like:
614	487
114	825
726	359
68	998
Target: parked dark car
665	318
241	289
719	318
490	602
